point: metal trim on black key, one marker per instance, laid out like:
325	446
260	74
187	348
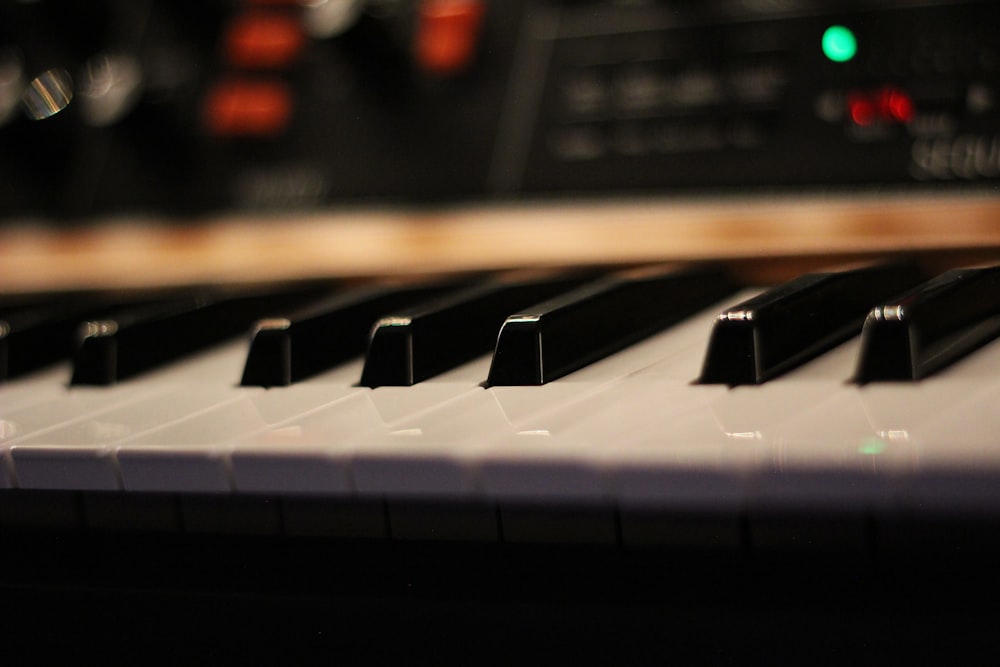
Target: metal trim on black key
931	326
566	333
784	327
412	346
287	350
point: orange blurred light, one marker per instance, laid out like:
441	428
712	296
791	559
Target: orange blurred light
263	40
447	34
248	108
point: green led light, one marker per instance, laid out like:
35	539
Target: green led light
872	446
839	44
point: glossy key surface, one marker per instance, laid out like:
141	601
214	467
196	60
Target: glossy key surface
931	326
42	330
561	335
135	340
761	338
324	334
414	345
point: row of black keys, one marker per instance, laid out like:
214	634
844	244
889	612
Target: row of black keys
560	323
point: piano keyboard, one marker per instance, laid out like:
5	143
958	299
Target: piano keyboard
646	438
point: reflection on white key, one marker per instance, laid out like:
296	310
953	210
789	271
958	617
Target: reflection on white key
687	462
446	452
307	454
311	454
417	456
960	470
555	456
35	388
80	455
191	455
72	407
824	457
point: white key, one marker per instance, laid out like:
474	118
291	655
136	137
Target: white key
195	455
953	434
719	456
190	455
35	388
72	407
416	456
556	456
859	448
81	406
442	453
310	454
80	455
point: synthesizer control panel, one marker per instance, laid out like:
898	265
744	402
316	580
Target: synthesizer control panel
125	107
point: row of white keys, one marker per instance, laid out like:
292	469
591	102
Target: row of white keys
60	410
65	439
947	437
549	456
312	453
169	430
446	453
644	438
877	447
809	439
195	454
47	393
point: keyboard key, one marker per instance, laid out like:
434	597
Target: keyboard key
41	332
317	338
761	338
191	454
412	346
30	339
930	326
574	329
136	340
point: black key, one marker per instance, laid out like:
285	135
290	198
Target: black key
417	344
42	331
33	337
572	330
788	325
933	325
136	340
286	350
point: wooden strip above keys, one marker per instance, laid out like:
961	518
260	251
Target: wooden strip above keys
796	233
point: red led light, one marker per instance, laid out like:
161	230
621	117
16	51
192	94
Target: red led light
900	106
885	105
861	109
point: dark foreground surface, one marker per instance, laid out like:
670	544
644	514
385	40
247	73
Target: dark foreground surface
135	597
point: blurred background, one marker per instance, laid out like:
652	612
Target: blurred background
151	141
